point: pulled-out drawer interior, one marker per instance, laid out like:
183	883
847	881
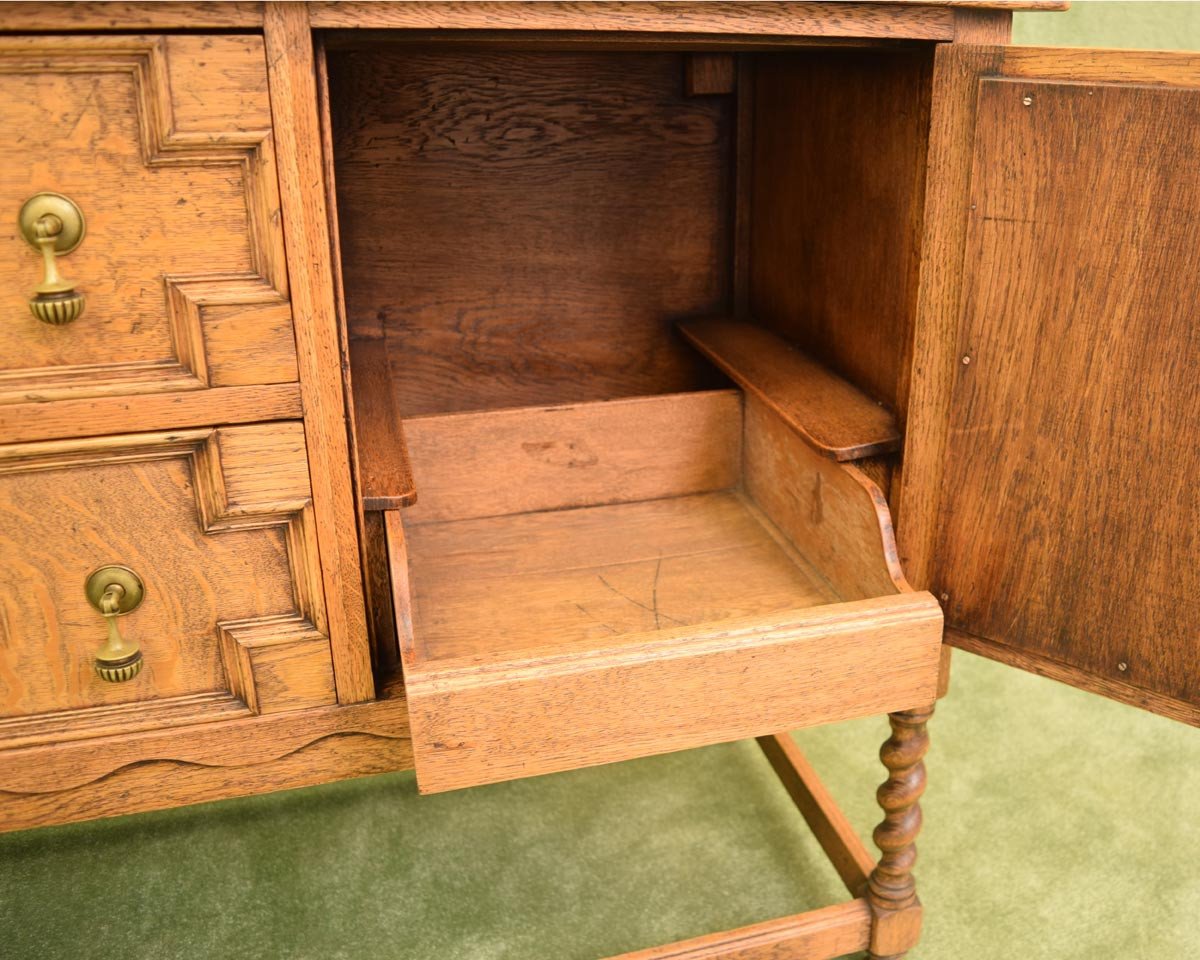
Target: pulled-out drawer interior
584	583
604	460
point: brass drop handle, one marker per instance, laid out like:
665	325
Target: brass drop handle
53	225
115	591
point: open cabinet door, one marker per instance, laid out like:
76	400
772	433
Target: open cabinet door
1053	450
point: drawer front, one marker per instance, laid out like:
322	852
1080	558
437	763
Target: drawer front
216	523
164	145
478	722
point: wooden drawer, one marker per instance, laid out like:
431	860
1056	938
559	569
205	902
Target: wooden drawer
165	146
217	524
591	551
588	583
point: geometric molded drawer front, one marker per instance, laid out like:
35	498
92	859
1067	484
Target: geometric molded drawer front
165	145
218	525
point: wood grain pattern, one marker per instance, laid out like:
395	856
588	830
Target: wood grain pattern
485	718
65	419
166	145
709	74
395	553
514	623
385	480
278	664
916	489
916	21
381	634
860	19
829	511
123	16
385	643
605	197
743	183
935	334
1065	529
836	230
120	718
939	312
291	75
816	935
833	416
155	769
581	577
158	784
829	825
1066	673
982	26
549	458
593	41
1010	5
217	524
879	471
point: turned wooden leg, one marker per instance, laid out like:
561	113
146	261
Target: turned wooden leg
891	889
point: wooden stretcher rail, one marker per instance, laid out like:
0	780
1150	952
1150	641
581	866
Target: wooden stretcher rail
816	935
847	853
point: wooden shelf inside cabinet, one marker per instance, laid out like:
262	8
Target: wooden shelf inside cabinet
833	416
592	582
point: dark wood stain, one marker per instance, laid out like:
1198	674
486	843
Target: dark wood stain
527	226
1068	524
838	193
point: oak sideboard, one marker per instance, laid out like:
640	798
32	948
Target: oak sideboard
507	388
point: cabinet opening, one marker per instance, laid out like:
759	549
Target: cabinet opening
598	407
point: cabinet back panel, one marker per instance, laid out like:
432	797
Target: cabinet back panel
524	228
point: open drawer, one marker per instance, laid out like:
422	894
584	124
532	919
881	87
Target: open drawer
586	583
590	547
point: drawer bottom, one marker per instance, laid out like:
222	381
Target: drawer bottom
549	641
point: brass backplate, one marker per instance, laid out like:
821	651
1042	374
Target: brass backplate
100	579
40	204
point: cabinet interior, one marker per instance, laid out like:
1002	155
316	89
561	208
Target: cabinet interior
614	312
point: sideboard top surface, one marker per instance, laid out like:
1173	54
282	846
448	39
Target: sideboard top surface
930	20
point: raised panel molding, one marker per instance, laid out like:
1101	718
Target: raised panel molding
277	665
243	479
208	319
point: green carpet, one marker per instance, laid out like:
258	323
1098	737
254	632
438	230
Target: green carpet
1058	825
1103	23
